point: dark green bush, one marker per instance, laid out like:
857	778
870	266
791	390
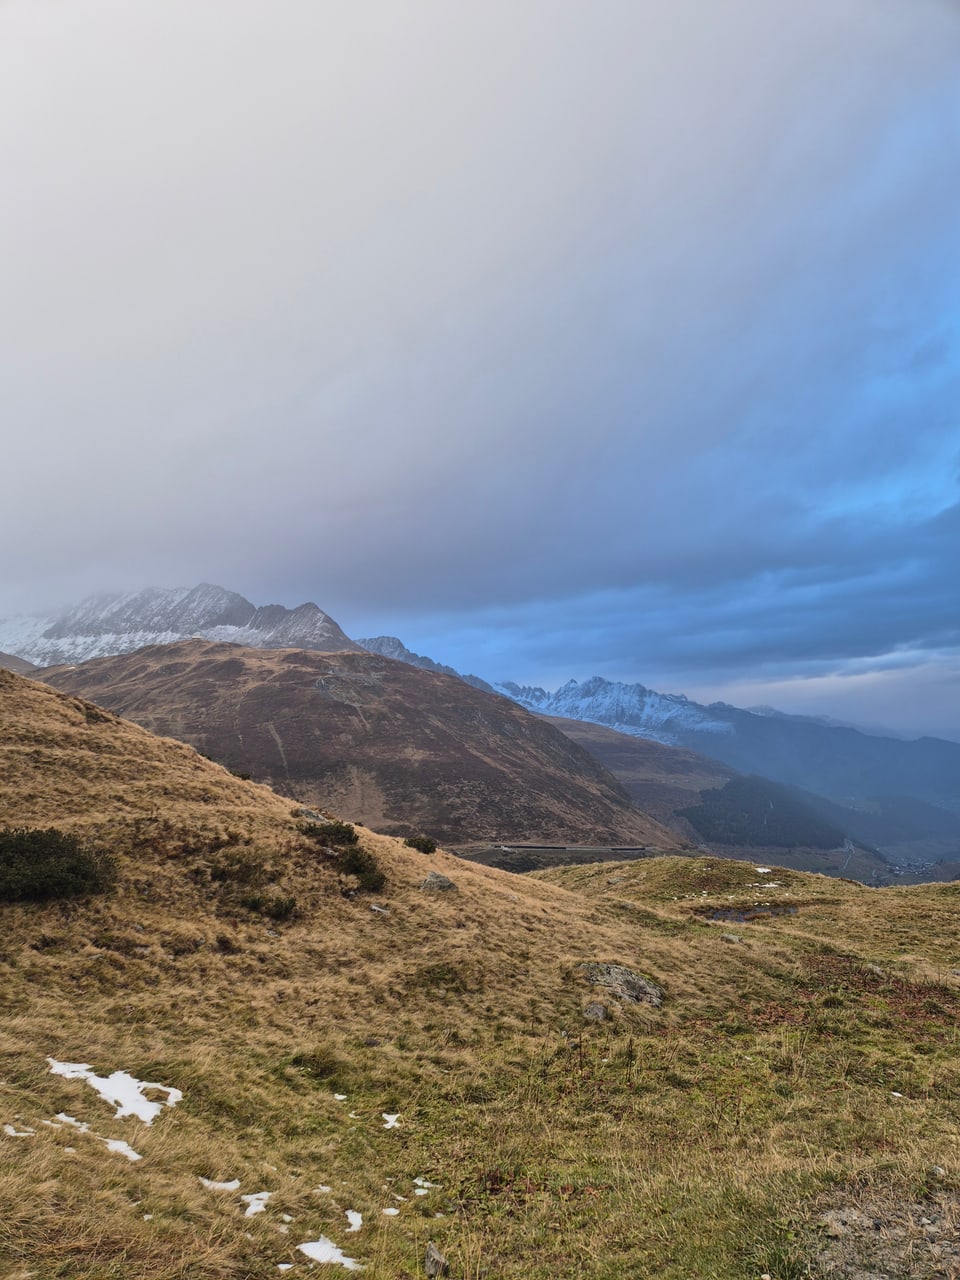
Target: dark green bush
423	843
277	907
362	864
44	864
335	833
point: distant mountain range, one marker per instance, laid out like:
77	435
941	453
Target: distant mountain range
846	765
109	624
898	795
402	750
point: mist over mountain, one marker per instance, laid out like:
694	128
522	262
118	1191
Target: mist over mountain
120	623
845	765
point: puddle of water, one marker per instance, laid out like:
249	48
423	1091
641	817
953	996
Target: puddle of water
743	915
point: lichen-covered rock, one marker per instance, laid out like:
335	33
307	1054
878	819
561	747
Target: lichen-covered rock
595	1012
435	882
435	1264
626	985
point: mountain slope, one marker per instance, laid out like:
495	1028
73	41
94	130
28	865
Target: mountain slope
392	647
9	663
660	779
111	624
397	748
843	764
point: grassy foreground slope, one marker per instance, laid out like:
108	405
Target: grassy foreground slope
809	1068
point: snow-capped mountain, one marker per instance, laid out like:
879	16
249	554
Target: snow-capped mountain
843	764
629	708
119	623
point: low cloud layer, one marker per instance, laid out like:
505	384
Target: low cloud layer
559	339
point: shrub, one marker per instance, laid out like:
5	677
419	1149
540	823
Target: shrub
362	864
423	843
335	833
239	868
277	907
44	864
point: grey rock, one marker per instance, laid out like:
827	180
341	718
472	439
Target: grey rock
595	1012
311	814
435	1264
731	937
626	985
436	882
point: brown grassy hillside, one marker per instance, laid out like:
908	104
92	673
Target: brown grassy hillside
659	779
10	663
395	747
806	1067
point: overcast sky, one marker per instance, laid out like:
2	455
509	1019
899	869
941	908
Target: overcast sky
557	338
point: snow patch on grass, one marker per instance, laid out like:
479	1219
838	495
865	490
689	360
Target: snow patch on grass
324	1250
120	1090
256	1202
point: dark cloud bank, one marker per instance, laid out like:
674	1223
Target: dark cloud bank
561	339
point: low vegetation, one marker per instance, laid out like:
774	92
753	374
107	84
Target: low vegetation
45	864
361	863
423	844
335	833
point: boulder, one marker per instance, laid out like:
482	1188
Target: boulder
630	987
435	882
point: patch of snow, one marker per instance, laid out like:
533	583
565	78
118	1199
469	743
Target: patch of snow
119	1147
390	1121
120	1090
340	1097
355	1219
148	1217
233	1185
762	871
391	1212
426	1185
324	1250
12	1132
256	1202
323	1190
65	1119
284	1266
285	1217
894	1094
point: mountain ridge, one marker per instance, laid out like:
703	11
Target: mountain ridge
102	625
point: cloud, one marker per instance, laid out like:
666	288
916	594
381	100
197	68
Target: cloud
630	328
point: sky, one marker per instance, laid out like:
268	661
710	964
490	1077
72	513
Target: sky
558	339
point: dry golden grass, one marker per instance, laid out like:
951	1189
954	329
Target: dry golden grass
699	1139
